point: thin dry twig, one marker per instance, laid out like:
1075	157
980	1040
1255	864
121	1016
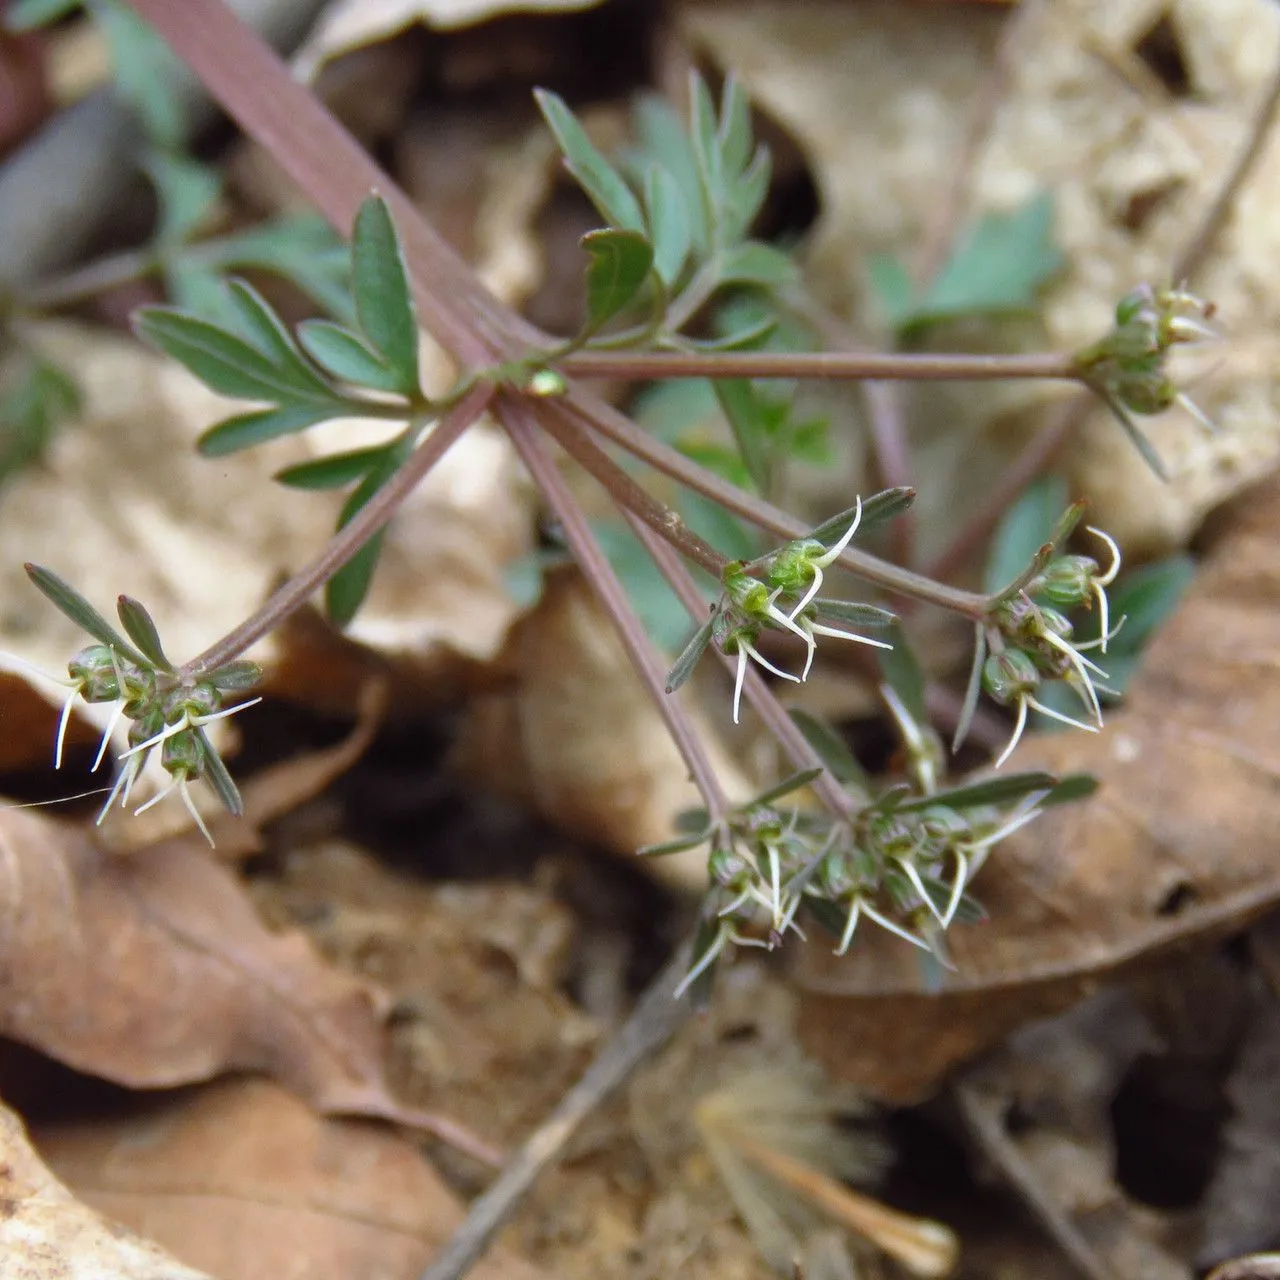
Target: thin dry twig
657	1017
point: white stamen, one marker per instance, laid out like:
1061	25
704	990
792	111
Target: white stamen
1019	725
885	923
846	938
957	889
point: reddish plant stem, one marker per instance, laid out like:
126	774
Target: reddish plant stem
254	87
845	365
621	431
347	541
759	695
518	419
629	495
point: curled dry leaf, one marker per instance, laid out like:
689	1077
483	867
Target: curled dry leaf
47	1234
1174	847
243	1180
1131	162
578	738
152	970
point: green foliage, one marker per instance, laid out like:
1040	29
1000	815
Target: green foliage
620	265
1000	267
692	196
39	397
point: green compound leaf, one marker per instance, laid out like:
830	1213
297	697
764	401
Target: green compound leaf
249	429
670	225
334	472
690	655
831	748
605	187
346	356
663	139
67	600
1011	786
141	629
380	283
620	263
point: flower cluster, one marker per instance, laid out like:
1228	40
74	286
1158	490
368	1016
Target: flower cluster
1127	367
167	710
1027	641
903	860
779	592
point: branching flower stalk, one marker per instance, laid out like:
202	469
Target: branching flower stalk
901	856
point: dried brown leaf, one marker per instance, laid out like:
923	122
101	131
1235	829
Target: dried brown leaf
351	24
1172	849
47	1234
243	1180
578	737
153	970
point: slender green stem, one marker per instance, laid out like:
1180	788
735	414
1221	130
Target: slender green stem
846	365
621	431
629	495
759	695
344	544
519	419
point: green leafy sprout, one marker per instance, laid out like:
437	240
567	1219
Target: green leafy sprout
677	291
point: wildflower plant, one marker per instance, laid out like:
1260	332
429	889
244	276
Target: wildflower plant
676	287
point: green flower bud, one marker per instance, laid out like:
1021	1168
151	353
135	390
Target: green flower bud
791	569
181	755
94	669
1068	581
1007	676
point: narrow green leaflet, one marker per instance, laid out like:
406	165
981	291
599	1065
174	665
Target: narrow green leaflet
1075	786
333	472
670	224
878	509
664	140
218	777
381	287
67	600
620	263
752	418
221	360
237	676
690	655
141	629
604	185
787	786
346	590
346	356
857	615
681	844
259	324
1001	790
246	430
